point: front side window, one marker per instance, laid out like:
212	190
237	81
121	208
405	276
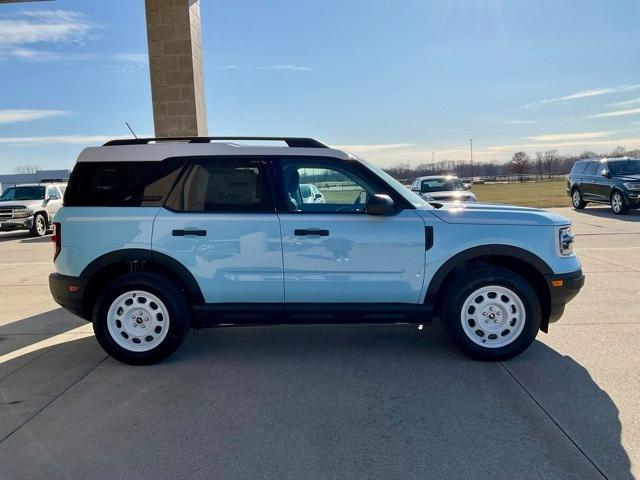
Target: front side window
224	185
624	167
23	193
441	185
52	193
312	186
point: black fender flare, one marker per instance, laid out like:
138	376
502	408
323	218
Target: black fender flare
482	251
145	255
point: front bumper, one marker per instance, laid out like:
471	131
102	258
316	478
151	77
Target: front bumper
562	288
633	197
68	292
11	224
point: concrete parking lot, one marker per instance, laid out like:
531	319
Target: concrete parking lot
346	402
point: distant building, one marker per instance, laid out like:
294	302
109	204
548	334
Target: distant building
39	176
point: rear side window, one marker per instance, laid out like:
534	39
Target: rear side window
592	169
121	184
578	168
224	185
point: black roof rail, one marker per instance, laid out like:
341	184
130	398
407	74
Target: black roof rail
293	142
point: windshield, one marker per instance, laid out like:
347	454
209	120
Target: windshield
22	193
624	167
441	185
407	194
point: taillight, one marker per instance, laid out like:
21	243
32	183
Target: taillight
56	238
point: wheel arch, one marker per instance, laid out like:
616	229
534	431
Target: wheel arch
521	261
113	264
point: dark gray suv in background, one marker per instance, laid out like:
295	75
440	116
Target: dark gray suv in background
614	181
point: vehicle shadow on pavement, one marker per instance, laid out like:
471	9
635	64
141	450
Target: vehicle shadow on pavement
306	402
605	212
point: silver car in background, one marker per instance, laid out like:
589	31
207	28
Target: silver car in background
442	188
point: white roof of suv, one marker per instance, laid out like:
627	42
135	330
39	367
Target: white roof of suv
158	149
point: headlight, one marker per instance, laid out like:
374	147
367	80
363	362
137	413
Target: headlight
632	185
565	240
21	213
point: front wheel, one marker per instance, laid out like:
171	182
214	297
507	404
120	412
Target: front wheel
618	204
39	228
576	200
141	318
491	314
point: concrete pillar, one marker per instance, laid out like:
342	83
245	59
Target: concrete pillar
175	62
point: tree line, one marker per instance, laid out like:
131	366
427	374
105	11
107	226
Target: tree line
543	164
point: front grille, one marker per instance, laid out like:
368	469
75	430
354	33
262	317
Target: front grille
8	212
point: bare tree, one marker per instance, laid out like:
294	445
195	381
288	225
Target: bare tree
26	169
539	162
619	152
520	164
550	161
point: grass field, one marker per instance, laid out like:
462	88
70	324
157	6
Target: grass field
529	194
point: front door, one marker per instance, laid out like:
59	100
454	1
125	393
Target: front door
220	223
334	252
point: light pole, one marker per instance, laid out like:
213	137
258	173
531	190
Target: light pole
471	143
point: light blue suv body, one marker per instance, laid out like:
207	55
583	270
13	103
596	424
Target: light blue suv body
224	225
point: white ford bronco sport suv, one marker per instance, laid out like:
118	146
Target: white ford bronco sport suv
160	235
30	206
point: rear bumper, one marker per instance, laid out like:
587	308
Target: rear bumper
11	224
68	292
562	288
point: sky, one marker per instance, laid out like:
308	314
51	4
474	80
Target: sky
396	82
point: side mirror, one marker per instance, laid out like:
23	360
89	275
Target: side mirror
606	173
317	197
380	204
467	186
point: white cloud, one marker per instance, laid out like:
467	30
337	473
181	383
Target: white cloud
58	139
626	103
518	122
38	26
575	145
293	68
593	92
617	113
135	58
15	116
380	147
562	137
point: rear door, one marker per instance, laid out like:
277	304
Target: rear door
220	223
334	252
587	185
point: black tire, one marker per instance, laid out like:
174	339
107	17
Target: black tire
576	199
169	294
461	289
39	228
619	204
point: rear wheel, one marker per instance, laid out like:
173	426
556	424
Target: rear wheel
576	199
491	314
141	318
618	203
39	228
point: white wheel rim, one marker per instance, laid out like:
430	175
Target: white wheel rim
616	203
40	226
493	316
576	198
138	321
